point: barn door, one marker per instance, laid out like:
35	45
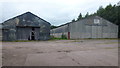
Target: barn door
96	31
37	33
99	31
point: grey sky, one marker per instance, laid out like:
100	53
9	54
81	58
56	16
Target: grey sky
56	12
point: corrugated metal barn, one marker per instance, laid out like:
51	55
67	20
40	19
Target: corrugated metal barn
90	27
25	27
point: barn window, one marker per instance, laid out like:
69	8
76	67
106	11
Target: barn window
96	21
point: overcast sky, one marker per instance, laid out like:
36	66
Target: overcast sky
56	12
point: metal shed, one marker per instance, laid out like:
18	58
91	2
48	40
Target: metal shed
25	27
90	27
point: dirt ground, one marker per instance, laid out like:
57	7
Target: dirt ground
92	52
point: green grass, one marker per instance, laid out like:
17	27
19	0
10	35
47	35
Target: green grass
55	38
22	41
77	41
58	39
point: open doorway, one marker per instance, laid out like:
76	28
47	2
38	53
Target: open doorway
32	34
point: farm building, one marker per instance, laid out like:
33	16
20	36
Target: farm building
90	27
25	27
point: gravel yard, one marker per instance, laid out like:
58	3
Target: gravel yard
89	52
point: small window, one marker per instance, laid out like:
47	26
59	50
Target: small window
96	21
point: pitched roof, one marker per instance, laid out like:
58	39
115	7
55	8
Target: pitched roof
83	19
27	13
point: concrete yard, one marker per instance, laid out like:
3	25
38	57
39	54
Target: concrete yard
89	52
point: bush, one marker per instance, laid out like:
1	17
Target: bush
63	36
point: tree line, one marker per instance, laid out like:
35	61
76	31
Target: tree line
110	12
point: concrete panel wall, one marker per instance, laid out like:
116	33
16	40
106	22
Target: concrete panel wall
81	29
88	31
99	30
58	35
113	35
106	35
110	30
76	30
96	32
25	34
86	28
58	32
9	34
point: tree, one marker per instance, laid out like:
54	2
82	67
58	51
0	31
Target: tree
73	20
100	11
52	27
79	17
87	14
109	12
118	19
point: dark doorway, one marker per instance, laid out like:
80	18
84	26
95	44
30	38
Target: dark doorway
33	29
32	34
